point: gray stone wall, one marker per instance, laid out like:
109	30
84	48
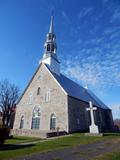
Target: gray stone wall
109	120
100	119
79	119
103	118
29	132
57	103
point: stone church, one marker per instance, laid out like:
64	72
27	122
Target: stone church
53	102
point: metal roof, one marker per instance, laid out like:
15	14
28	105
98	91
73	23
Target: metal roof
77	91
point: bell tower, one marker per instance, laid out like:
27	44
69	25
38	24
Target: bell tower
50	54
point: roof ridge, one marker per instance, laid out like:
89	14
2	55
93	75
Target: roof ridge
95	97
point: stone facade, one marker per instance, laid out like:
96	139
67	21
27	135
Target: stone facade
79	118
56	104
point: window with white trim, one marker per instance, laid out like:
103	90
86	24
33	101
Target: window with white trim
36	118
52	122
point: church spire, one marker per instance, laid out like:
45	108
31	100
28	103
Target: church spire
50	43
51	25
50	53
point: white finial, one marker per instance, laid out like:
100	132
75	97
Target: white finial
51	25
86	87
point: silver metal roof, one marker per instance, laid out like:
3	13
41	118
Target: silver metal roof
79	92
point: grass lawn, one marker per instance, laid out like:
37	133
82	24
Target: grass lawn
63	142
110	156
21	139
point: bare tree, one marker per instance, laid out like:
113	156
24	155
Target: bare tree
9	94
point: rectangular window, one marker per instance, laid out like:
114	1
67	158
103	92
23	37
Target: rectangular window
53	124
30	98
47	96
35	123
38	91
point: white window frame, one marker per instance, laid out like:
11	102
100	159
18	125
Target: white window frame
36	117
53	117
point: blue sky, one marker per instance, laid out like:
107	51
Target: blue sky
88	39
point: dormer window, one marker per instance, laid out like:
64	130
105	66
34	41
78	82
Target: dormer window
38	91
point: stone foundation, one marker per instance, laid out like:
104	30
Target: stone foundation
37	133
29	133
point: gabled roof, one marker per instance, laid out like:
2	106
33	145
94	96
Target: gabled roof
72	89
77	91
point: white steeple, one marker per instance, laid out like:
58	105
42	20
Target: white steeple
50	55
51	25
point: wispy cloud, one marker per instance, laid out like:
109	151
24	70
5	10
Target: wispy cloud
99	64
92	52
111	30
116	15
85	11
65	16
93	72
116	110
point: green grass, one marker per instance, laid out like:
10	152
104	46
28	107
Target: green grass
54	144
111	134
110	156
21	139
113	156
72	140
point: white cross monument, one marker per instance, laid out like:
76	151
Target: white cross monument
93	128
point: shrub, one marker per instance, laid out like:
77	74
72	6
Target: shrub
4	134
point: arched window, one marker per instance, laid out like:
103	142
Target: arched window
38	91
22	122
36	118
52	122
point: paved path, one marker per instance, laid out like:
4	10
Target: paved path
83	152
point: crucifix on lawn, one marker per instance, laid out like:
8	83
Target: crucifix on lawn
93	128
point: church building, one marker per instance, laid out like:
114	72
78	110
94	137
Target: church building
52	101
